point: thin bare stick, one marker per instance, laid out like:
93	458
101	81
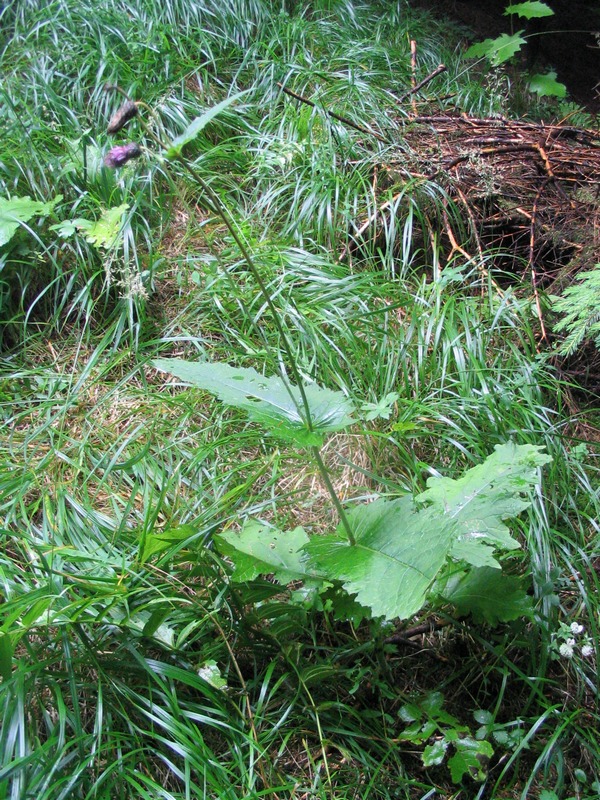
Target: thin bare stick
456	248
426	627
413	62
545	160
413	68
332	114
416	87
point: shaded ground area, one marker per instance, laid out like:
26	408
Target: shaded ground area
568	41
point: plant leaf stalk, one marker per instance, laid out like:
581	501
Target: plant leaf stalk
217	207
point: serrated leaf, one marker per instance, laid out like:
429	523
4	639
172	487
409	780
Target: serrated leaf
417	733
547	85
267	400
103	232
211	673
434	753
197	125
433	705
489	596
548	794
483	497
65	229
261	550
397	555
17	210
398	551
530	10
344	606
477	553
471	758
497	50
381	409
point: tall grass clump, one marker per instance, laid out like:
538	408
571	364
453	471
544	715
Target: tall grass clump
143	651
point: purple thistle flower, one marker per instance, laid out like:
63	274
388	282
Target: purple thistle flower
120	154
121	117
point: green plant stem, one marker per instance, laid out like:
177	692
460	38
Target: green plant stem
217	207
224	215
336	500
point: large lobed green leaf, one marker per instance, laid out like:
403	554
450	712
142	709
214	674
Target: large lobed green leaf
497	50
103	232
488	595
399	551
16	211
486	495
268	401
262	550
396	557
547	85
471	758
531	10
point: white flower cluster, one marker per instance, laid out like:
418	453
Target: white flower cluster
576	628
568	646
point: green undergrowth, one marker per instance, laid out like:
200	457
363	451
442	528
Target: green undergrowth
276	522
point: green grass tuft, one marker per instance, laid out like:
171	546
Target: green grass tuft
130	670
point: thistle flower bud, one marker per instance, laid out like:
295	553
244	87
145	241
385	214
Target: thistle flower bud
121	117
120	154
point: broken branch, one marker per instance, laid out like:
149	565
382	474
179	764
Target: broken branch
332	114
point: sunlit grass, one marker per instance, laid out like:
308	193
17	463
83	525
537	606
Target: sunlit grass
103	648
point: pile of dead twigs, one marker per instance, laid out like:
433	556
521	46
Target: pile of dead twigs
530	193
517	197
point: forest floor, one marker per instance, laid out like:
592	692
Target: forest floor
299	456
